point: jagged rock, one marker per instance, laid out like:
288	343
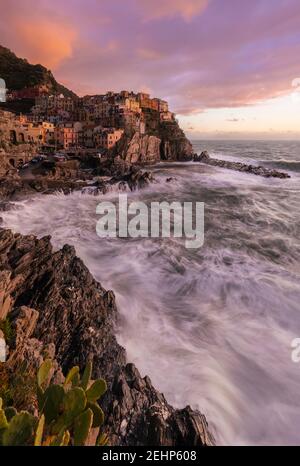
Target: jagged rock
123	174
6	169
171	180
174	143
28	349
238	166
204	156
142	149
145	418
165	141
59	308
6	300
138	148
134	179
66	170
9	178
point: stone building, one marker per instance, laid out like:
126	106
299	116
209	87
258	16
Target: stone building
107	138
69	135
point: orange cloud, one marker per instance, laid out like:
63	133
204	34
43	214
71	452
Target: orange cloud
149	54
167	8
45	42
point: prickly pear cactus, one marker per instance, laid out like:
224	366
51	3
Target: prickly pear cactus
67	412
20	430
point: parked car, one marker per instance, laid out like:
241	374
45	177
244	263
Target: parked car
60	158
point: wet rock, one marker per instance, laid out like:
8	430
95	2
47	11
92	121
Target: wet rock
204	156
162	141
174	143
143	149
238	166
134	179
59	309
145	418
66	170
171	180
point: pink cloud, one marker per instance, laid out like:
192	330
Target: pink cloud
33	31
54	45
167	8
197	54
149	54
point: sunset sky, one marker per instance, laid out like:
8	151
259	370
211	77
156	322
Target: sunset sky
229	68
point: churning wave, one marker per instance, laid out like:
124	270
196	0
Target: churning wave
212	327
290	165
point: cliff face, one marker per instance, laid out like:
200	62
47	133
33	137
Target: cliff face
56	308
139	149
7	171
174	143
10	181
168	142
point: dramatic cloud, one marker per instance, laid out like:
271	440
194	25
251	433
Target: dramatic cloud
54	44
197	54
36	33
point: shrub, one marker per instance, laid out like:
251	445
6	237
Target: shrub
8	332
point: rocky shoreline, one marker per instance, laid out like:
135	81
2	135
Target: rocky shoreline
57	309
204	157
71	176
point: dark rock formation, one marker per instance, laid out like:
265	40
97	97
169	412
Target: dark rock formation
241	167
204	157
68	176
10	182
58	309
69	169
174	143
143	416
115	171
164	141
14	189
6	169
46	180
134	179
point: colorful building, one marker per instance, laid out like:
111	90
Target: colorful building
69	135
107	138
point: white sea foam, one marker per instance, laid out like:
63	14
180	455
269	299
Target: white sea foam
212	327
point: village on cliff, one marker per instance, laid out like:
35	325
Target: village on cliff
91	123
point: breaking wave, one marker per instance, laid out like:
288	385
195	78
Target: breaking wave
212	327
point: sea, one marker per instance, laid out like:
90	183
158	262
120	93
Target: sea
213	327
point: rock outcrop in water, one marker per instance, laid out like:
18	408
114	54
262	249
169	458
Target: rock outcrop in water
56	308
204	157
